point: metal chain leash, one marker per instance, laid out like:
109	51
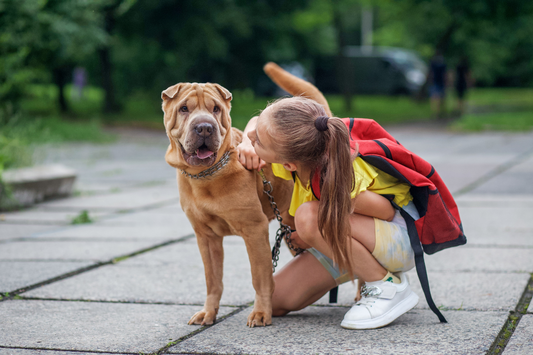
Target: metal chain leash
284	231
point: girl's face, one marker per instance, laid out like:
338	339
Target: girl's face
261	140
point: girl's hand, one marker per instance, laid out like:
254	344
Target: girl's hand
247	156
298	242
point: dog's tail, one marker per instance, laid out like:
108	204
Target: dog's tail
294	85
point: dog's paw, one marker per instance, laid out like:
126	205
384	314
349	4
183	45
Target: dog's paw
203	317
259	319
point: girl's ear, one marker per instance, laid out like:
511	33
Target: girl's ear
290	166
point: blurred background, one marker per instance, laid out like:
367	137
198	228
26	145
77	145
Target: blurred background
70	69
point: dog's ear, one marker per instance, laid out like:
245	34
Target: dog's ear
224	92
170	92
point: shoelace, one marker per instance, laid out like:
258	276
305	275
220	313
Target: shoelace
369	295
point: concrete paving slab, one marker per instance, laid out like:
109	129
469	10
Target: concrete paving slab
495	225
516	180
500	200
69	250
462	291
459	175
15	351
12	231
155	217
317	330
17	274
43	216
173	274
92	326
521	342
129	171
99	231
471	258
130	199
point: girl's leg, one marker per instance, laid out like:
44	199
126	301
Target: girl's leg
294	289
383	301
363	240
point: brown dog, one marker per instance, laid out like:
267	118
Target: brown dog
219	196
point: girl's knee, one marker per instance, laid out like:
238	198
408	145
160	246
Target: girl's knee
306	220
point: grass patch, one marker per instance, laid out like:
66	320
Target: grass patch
503	121
82	218
518	97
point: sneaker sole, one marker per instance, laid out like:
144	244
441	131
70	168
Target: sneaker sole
385	319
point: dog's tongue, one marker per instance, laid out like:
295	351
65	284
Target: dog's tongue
203	153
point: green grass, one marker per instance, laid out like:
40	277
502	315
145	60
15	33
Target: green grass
503	121
511	97
143	109
383	109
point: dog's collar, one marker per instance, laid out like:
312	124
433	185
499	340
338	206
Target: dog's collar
212	170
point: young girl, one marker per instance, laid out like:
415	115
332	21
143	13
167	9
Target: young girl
352	231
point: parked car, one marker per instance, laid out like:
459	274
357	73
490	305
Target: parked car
376	70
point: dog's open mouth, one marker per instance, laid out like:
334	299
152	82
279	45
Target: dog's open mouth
203	152
202	156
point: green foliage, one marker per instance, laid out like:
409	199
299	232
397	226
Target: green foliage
37	37
82	218
497	37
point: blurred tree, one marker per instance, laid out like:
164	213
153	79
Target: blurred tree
44	37
497	36
164	42
111	11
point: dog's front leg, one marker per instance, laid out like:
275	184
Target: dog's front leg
261	263
212	252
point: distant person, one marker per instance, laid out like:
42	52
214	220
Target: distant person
463	80
437	77
79	80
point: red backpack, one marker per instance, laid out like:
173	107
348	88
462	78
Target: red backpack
439	226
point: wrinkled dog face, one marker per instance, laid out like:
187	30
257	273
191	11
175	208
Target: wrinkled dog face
196	120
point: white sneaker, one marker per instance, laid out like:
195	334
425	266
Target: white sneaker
381	303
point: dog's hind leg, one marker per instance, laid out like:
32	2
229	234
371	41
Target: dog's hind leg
212	252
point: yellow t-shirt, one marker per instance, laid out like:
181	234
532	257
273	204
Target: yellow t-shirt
367	178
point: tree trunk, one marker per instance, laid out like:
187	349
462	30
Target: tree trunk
110	103
60	80
344	76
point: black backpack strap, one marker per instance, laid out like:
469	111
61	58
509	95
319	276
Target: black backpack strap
333	294
419	262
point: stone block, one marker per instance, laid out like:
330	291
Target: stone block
35	184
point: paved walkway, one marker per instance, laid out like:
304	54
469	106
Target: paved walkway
129	281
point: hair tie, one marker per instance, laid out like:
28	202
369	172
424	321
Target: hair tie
321	123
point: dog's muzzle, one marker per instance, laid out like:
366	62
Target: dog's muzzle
202	144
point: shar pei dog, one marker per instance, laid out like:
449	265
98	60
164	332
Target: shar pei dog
219	196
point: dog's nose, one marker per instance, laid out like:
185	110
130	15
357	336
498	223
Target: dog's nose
204	129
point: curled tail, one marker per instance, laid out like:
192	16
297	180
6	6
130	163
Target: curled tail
294	85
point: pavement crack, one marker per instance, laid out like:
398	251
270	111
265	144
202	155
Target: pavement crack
494	172
198	331
66	350
12	294
510	325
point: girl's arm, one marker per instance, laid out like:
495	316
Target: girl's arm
245	150
371	204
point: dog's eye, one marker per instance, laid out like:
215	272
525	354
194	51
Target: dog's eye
184	109
216	109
